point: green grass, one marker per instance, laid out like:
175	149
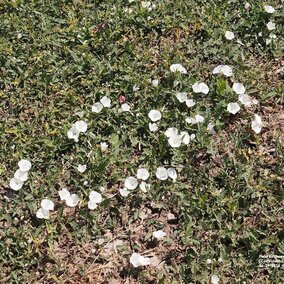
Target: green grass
58	58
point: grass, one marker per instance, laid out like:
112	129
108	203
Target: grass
58	58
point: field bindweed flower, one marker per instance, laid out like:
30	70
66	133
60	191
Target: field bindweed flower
233	108
229	35
148	5
137	260
21	175
104	146
144	186
154	115
178	68
208	261
162	173
181	96
223	69
269	9
172	173
239	88
185	137
24	165
124	192
105	101
200	88
46	206
159	234
271	26
97	107
130	183
190	102
210	128
171	132
16	184
143	174
42	213
256	124
214	279
246	100
175	141
76	129
135	88
196	119
94	199
153	127
155	83
81	168
71	199
125	107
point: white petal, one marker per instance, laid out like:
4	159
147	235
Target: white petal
175	141
42	213
245	99
137	260
47	204
256	124
92	205
131	183
233	108
271	26
104	146
178	68
214	279
181	97
200	88
82	168
81	126
162	173
25	165
143	174
229	35
172	173
20	175
227	70
199	118
105	101
95	196
210	128
217	70
155	83
72	200
269	9
239	88
190	120
16	184
154	115
172	131
73	133
124	192
125	107
64	194
185	137
190	102
144	186
159	234
153	127
97	107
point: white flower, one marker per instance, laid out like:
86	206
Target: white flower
155	82
269	9
214	279
239	88
97	107
105	101
130	183
246	100
154	115
223	69
80	113
172	173
175	141
178	68
233	108
143	174
200	88
210	128
159	234
172	131
271	26
137	260
190	102
146	4
16	184
185	137
24	165
64	194
153	127
256	124
81	126
104	146
42	213
199	118
175	83
190	120
144	186
47	204
229	35
208	261
124	192
85	182
125	107
20	175
72	200
135	88
94	198
81	168
192	137
73	133
162	173
181	97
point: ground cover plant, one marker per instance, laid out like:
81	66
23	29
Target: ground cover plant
141	142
